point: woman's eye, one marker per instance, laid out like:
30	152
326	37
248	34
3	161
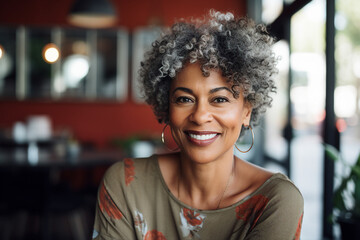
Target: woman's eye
220	100
183	100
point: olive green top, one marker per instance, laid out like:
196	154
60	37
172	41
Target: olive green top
135	203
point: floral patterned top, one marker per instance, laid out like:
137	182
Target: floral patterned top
135	203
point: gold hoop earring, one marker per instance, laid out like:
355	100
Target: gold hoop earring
163	139
252	143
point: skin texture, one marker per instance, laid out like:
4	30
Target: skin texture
205	105
199	173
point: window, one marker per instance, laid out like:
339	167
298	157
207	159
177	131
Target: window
8	61
63	63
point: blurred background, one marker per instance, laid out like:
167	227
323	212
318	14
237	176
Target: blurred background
70	105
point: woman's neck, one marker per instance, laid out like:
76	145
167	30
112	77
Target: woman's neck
205	185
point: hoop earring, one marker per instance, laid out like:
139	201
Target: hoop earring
163	139
252	143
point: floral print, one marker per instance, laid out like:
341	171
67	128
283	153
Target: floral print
191	222
95	234
154	235
141	226
151	213
140	223
107	205
253	207
298	229
129	170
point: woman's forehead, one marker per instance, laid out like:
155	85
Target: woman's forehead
192	73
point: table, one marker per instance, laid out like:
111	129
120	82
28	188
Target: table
54	185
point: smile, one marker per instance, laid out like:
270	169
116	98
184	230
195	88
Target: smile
201	138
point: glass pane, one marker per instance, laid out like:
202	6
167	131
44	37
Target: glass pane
271	9
275	145
39	69
347	92
142	40
8	62
71	79
106	64
112	54
307	94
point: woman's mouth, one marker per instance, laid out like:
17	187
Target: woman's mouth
201	138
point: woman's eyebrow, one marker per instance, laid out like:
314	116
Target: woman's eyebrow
219	89
188	90
182	89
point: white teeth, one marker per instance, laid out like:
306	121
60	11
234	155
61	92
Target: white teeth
203	136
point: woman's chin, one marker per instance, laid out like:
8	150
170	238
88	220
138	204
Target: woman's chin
202	155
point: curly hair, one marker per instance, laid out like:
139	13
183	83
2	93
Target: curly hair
240	48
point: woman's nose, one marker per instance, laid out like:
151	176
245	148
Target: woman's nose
201	114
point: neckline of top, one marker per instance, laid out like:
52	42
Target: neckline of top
171	195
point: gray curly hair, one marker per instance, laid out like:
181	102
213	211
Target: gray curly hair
238	47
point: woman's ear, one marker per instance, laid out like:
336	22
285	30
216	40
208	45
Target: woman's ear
247	114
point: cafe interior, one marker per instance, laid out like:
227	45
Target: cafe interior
70	105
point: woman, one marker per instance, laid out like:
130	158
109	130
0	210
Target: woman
208	80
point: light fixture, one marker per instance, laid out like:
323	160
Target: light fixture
50	53
92	14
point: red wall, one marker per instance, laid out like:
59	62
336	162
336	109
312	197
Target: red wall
131	13
98	122
95	122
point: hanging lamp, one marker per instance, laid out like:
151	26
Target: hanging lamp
92	14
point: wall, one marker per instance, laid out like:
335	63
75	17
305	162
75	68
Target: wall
89	121
131	13
98	122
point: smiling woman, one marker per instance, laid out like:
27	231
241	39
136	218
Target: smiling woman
207	80
204	111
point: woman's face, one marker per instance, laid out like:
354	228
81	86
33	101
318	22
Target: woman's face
205	117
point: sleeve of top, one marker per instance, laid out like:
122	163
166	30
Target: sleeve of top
282	217
112	216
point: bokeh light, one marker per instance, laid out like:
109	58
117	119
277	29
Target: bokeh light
345	101
1	51
75	68
51	53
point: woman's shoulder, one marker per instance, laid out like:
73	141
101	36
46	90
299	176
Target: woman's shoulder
261	181
125	170
280	182
281	189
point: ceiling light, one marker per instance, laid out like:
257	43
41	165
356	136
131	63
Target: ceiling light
92	14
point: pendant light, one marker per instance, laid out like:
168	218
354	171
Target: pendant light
92	14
